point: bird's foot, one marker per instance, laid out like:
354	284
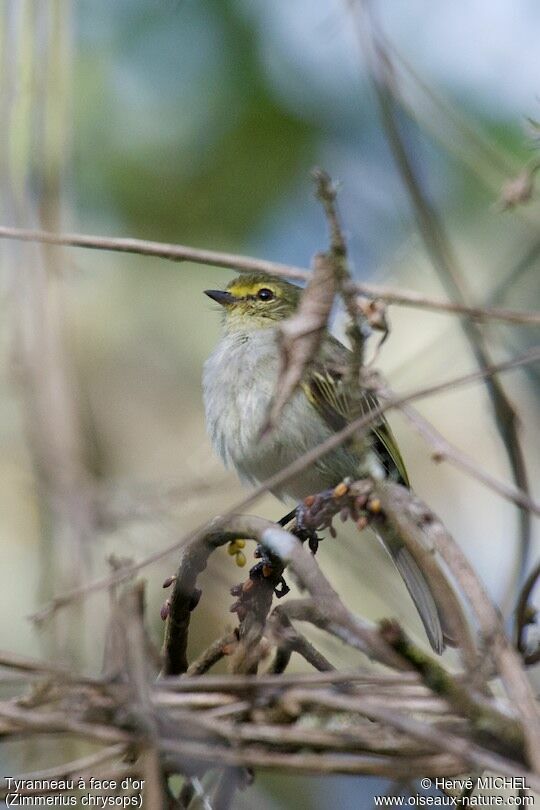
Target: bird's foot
302	527
270	567
351	501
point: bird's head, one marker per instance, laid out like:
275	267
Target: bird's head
256	301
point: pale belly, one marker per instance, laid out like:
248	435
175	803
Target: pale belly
237	392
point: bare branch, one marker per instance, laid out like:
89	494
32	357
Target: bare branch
326	610
289	550
327	193
498	730
250	683
71	770
440	250
300	335
506	658
473	754
211	655
249	264
409	298
444	451
292	641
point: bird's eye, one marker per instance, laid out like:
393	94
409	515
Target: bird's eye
265	294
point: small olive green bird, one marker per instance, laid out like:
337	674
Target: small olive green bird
239	382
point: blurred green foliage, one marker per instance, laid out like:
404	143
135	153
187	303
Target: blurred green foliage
182	151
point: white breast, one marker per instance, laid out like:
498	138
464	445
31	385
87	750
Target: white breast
239	380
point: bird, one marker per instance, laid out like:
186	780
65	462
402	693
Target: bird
239	383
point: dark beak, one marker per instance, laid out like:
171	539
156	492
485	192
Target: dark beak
221	296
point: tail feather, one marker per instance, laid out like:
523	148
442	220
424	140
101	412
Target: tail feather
421	596
418	588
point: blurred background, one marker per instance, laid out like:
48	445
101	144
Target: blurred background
198	123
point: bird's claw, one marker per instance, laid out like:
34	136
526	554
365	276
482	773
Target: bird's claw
268	567
281	589
304	531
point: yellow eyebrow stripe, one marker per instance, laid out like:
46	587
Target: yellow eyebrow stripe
243	290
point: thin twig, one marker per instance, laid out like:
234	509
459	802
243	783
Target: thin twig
444	261
70	770
325	763
374	765
292	641
211	655
300	336
472	753
249	264
494	728
249	683
444	451
506	658
327	194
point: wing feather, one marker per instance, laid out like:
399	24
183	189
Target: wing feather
326	389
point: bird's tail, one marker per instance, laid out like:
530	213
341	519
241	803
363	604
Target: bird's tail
419	590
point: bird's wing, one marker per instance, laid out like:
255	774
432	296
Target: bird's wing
326	389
